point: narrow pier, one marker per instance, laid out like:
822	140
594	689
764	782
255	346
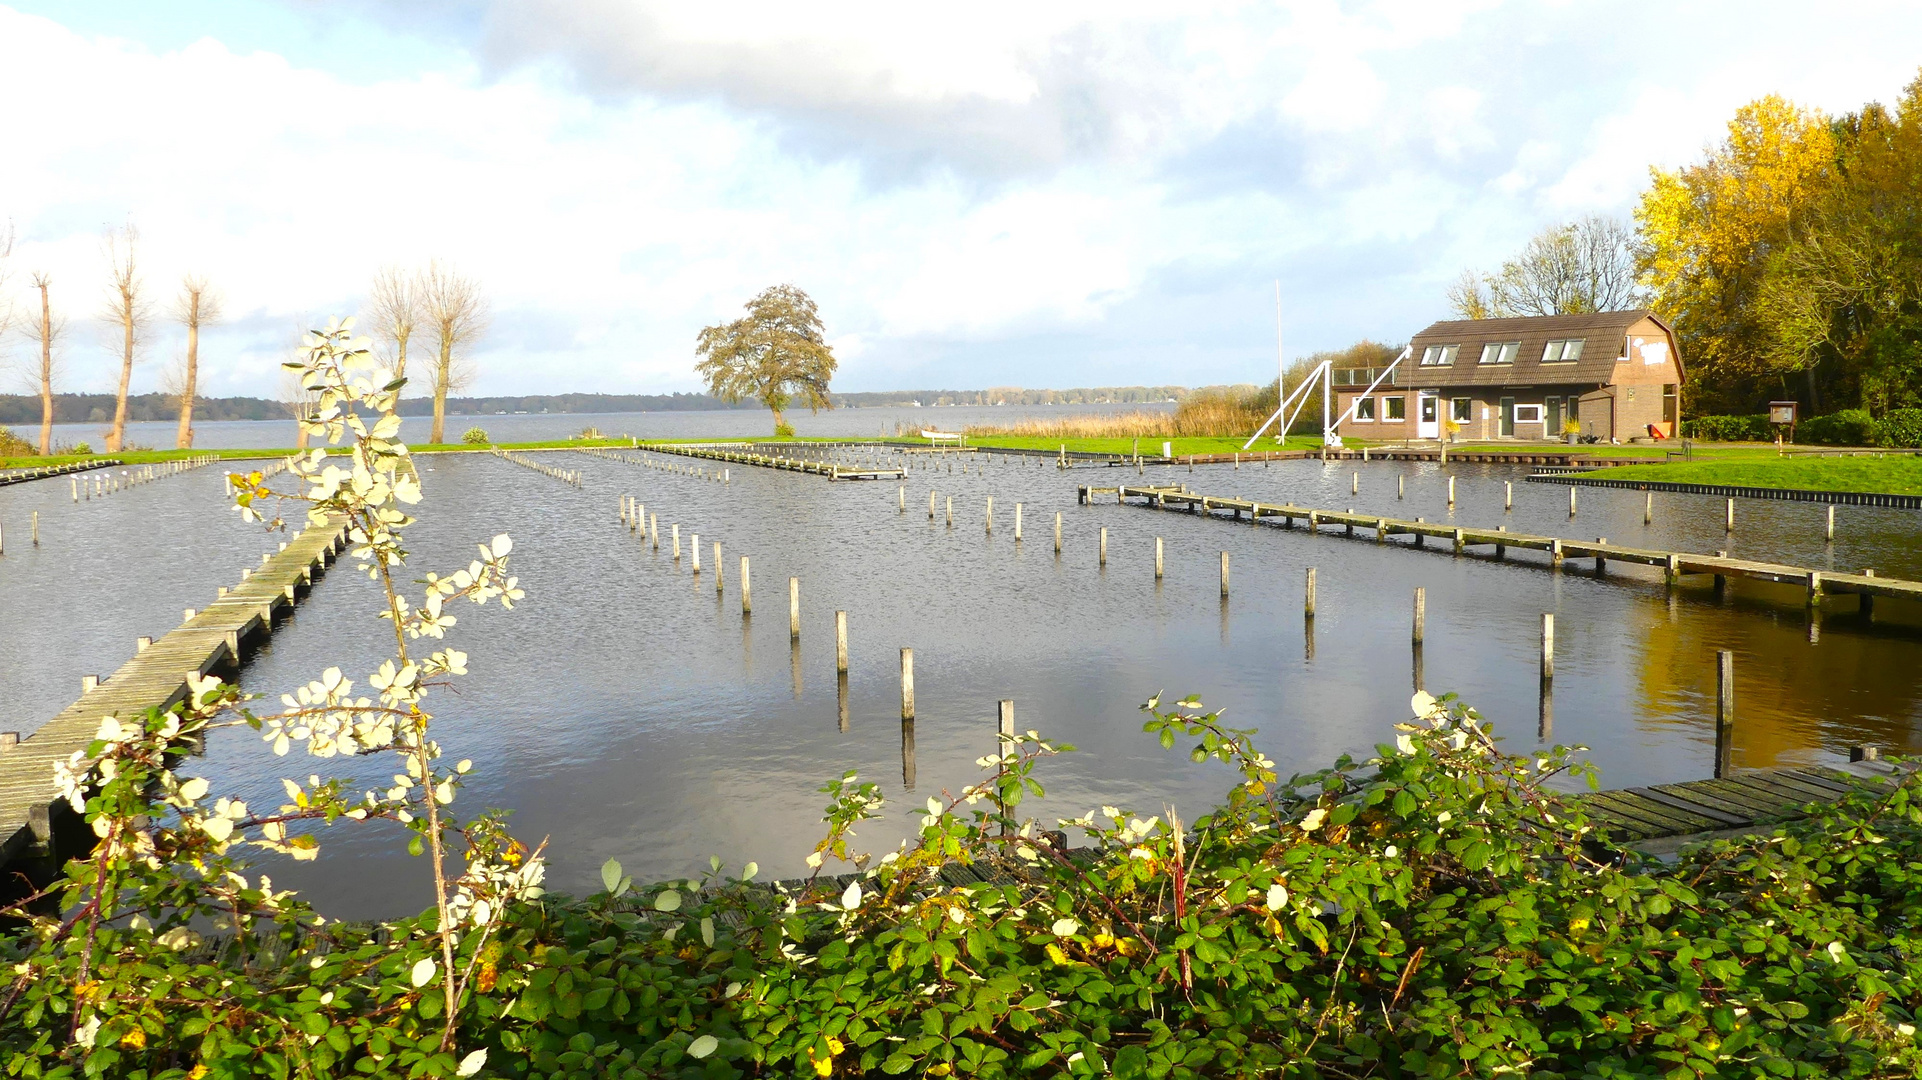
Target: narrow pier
21	476
31	821
1738	802
1674	564
829	469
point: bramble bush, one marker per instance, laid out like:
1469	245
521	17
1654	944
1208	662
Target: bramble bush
1436	909
1729	428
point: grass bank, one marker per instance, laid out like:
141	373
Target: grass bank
1894	475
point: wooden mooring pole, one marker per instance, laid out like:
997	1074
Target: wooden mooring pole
1421	613
1224	574
1057	532
794	609
1548	646
1104	545
907	684
1308	597
747	604
841	642
1728	516
1157	558
1724	711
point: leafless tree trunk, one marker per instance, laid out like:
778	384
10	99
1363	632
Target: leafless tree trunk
297	400
452	307
46	329
126	306
197	306
393	309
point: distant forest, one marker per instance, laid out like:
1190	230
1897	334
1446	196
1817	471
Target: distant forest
22	409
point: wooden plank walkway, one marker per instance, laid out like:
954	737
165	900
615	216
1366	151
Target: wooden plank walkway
829	469
1674	564
156	676
1739	491
1740	801
21	476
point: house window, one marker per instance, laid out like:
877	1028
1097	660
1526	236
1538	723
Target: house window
1500	352
1439	355
1394	408
1563	352
1528	414
1365	409
1461	410
1669	404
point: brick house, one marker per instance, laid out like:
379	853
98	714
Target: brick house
1613	373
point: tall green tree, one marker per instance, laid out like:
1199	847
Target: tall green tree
1841	301
777	354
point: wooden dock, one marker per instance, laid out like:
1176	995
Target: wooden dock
829	469
1816	583
21	476
31	822
1739	802
1737	491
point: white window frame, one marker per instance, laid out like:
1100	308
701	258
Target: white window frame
1504	352
1522	412
1439	355
1391	403
1364	405
1461	405
1556	352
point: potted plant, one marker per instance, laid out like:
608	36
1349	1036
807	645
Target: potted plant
1571	431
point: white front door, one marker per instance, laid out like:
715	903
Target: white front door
1427	416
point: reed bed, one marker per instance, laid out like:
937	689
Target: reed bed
1214	412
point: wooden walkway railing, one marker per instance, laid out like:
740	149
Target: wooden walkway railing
156	676
1817	583
829	469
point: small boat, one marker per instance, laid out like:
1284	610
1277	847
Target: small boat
926	434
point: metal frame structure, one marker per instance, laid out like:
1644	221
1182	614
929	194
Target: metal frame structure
1325	372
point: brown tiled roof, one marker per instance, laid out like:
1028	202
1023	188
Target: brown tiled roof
1603	333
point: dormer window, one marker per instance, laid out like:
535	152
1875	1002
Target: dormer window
1439	355
1500	352
1563	352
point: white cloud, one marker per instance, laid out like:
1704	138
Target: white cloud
953	187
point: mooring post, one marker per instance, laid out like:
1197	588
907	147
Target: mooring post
1308	596
1728	516
1571	500
654	521
1104	545
1724	710
1829	533
747	604
36	528
1815	589
695	547
677	542
1224	574
1057	532
990	515
1555	553
88	683
1354	484
1508	495
1672	572
141	644
1017	522
1601	563
1400	478
1548	646
1157	558
907	684
1421	614
794	609
1451	488
950	510
1648	507
902	498
930	504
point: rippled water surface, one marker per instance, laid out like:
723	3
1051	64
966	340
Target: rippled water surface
627	710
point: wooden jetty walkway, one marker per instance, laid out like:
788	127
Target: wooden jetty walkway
1737	801
734	455
1674	565
156	676
21	476
1739	491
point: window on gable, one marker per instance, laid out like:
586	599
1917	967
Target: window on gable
1439	355
1500	352
1565	351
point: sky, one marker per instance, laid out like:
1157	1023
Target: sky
993	194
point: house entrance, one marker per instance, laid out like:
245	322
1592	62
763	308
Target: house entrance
1428	416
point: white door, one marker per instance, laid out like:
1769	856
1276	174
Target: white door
1427	416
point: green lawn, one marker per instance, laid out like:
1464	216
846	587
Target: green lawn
1897	474
1150	447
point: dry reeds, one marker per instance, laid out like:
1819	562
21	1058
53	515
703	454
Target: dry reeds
1214	411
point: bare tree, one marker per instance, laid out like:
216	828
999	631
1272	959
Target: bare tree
130	309
45	328
1573	269
454	311
1468	297
196	306
393	311
295	398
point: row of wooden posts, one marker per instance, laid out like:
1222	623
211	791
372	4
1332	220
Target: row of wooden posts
101	485
570	477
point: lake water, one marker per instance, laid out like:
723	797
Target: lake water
625	710
541	427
